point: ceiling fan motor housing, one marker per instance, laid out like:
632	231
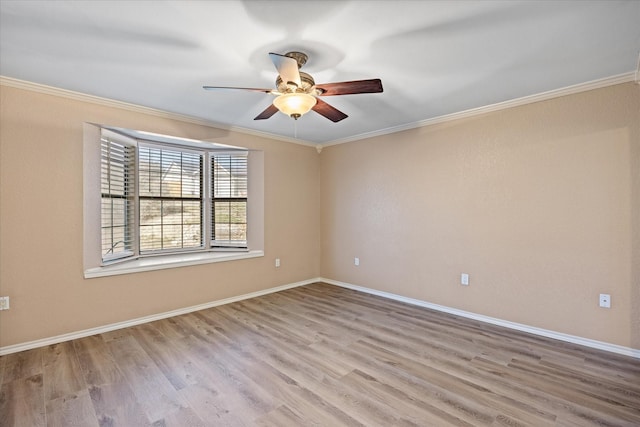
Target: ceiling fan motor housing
301	58
307	86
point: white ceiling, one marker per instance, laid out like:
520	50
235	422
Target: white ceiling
434	57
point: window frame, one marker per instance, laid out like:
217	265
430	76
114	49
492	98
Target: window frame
94	266
127	188
228	244
145	144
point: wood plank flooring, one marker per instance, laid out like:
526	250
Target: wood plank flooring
318	355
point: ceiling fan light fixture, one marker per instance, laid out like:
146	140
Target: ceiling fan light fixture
295	104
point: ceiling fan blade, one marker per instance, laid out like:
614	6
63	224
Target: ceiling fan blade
268	112
351	88
252	89
328	111
287	68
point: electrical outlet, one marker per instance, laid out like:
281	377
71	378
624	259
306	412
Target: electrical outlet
605	300
464	279
277	262
4	303
356	261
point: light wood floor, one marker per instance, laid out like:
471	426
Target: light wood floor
318	355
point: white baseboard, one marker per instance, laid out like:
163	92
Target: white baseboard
146	319
627	351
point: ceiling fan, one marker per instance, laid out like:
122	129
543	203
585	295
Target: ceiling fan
297	93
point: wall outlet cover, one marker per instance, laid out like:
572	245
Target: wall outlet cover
464	279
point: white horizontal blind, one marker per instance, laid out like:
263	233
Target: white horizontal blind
117	171
229	199
161	198
170	198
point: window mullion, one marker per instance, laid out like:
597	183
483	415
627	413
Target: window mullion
207	211
136	205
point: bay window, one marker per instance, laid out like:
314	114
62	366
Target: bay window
168	197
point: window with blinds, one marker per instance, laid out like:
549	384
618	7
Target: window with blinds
170	198
117	174
162	198
229	199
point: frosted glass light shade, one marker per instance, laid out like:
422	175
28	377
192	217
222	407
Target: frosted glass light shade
295	104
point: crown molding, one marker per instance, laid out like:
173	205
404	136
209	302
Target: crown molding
83	97
530	99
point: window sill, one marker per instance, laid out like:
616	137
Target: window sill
168	261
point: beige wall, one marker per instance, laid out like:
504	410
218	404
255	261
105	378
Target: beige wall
539	204
41	266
